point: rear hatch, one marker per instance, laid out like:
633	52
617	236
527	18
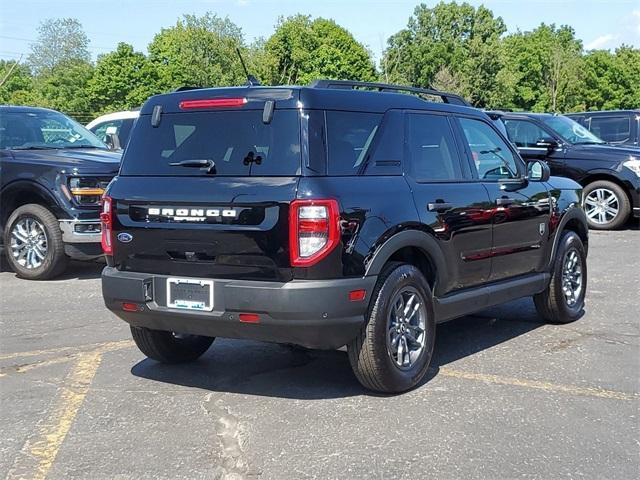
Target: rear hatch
204	190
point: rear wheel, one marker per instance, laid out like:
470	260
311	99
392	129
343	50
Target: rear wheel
33	243
393	350
606	205
563	300
170	347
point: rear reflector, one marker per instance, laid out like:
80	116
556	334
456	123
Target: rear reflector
212	103
249	317
357	295
132	307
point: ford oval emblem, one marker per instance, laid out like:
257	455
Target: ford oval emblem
125	237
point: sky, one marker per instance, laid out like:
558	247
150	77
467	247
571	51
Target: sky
598	23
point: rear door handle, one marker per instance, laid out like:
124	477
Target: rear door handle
439	206
505	201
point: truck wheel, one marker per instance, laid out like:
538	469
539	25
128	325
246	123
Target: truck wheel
393	350
606	205
563	300
170	347
33	243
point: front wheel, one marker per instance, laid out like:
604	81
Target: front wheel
33	243
393	350
606	205
563	300
170	347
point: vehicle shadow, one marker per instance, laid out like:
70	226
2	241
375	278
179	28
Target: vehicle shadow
74	271
264	369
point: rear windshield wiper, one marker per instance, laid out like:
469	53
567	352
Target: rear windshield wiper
206	165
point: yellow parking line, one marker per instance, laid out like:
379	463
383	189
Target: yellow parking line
76	349
539	385
40	451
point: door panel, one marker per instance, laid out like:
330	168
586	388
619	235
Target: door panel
453	207
519	209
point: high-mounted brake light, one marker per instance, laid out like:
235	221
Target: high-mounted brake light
314	231
106	218
212	103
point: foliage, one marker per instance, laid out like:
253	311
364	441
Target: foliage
122	80
458	40
302	50
198	52
59	40
18	83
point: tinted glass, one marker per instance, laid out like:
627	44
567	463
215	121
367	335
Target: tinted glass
491	155
100	130
238	142
432	149
44	130
612	129
525	134
349	138
569	130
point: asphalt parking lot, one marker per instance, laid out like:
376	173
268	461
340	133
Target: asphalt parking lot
507	396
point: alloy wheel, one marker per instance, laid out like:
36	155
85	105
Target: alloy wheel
406	328
572	277
28	243
601	206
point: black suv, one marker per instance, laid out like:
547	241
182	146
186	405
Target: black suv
343	213
613	126
609	174
52	175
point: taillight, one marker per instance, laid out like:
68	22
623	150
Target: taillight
106	218
313	230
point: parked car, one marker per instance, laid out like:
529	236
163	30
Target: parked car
331	215
52	175
613	126
118	124
609	174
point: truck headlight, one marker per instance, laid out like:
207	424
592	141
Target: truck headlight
634	165
87	190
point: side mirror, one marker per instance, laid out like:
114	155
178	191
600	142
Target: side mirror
538	171
548	143
113	141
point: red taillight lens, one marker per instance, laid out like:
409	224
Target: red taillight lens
106	218
313	230
212	103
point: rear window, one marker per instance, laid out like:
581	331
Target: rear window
612	129
239	143
349	139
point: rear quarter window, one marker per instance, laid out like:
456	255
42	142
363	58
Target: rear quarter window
349	139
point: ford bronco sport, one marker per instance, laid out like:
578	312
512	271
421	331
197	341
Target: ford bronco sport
342	213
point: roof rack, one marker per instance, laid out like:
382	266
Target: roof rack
451	98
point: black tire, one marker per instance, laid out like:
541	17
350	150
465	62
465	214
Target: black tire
624	205
552	304
167	347
55	260
371	360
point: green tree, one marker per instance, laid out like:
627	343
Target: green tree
541	69
198	52
65	89
302	49
18	82
123	79
59	40
450	40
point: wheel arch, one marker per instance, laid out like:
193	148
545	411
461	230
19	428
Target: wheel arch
575	220
415	247
604	175
24	192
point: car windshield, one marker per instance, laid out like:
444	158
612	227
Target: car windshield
571	131
44	130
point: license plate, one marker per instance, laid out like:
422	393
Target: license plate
190	294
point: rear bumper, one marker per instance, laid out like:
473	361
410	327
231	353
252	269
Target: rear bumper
312	313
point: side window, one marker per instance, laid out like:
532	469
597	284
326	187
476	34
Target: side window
611	129
349	138
432	149
492	156
100	130
524	134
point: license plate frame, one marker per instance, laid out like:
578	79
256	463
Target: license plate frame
198	304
